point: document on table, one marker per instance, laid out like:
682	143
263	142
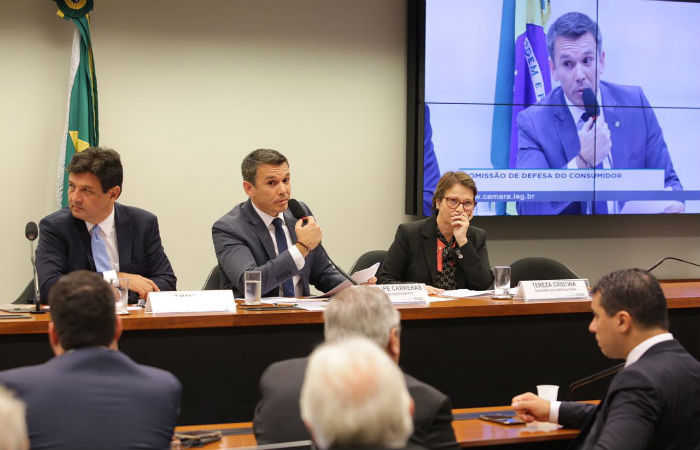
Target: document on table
462	293
361	276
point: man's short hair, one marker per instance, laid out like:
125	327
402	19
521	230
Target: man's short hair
361	311
636	291
259	157
449	179
82	310
13	425
573	25
354	395
102	162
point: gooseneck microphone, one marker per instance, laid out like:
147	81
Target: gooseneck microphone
299	213
658	263
31	232
590	104
595	377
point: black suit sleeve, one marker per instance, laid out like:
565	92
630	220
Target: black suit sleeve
439	433
393	269
51	258
475	261
158	268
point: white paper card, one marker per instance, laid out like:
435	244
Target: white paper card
552	289
361	276
190	301
403	294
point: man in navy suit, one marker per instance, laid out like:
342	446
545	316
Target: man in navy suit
96	233
90	395
556	134
655	401
261	234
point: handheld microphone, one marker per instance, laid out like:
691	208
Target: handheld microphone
590	103
299	213
31	231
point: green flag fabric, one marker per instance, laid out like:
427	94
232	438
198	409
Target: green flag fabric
81	130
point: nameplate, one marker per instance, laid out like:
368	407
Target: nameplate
552	290
190	301
405	293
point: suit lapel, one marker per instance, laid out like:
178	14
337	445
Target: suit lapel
616	133
566	129
260	229
429	242
305	273
84	242
124	238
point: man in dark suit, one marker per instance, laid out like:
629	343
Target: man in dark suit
365	311
90	395
96	233
261	234
655	401
556	133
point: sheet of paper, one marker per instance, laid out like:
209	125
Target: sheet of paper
462	293
312	305
361	276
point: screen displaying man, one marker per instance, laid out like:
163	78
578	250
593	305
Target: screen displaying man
557	133
97	233
90	395
654	402
262	234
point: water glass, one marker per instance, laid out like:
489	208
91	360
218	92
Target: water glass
253	287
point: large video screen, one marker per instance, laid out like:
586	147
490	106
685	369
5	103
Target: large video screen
564	106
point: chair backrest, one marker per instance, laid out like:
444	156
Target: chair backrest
213	280
539	268
27	295
367	259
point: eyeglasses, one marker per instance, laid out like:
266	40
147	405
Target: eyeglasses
453	203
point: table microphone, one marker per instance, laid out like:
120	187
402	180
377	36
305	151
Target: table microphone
299	213
590	104
31	232
658	263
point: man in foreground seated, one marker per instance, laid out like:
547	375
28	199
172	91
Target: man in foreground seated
354	396
358	311
13	428
90	395
655	401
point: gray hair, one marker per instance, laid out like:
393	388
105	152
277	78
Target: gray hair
13	425
361	311
257	158
354	395
573	25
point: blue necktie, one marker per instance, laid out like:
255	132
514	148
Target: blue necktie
99	251
287	285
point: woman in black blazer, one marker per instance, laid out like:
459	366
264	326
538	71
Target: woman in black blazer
443	251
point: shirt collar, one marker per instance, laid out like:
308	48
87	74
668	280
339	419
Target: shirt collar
107	225
577	112
645	345
266	218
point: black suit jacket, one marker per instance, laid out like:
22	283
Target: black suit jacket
96	398
413	257
652	404
242	242
64	246
277	416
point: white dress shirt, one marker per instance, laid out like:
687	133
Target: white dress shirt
108	233
632	357
293	250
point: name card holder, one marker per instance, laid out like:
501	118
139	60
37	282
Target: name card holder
190	301
539	290
405	293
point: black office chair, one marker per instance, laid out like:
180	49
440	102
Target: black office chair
539	268
27	295
213	279
368	259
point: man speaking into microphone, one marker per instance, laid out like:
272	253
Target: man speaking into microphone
262	234
558	133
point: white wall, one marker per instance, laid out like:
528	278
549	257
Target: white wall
185	93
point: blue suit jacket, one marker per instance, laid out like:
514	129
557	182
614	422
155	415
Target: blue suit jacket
242	242
96	398
548	139
64	246
652	404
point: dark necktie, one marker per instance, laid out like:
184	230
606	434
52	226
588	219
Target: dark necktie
287	285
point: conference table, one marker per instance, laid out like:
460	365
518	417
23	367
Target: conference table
470	432
478	351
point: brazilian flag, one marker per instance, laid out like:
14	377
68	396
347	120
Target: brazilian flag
81	130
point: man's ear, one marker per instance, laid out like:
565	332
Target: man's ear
54	341
623	321
394	346
248	188
118	328
115	192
